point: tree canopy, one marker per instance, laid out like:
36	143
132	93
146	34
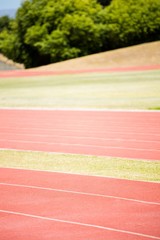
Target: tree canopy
46	31
4	23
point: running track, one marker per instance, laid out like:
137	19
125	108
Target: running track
104	133
40	205
32	72
43	205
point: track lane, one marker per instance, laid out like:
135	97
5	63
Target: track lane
89	125
38	228
128	216
138	190
104	142
82	149
79	193
111	133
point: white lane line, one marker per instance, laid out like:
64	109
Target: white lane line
80	193
78	137
80	145
80	130
80	224
79	109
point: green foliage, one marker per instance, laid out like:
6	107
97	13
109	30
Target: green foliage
4	23
82	33
130	23
34	34
9	45
46	31
55	31
6	42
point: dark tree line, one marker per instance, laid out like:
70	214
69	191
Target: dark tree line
104	2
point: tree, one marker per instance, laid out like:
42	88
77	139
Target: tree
4	23
51	31
129	23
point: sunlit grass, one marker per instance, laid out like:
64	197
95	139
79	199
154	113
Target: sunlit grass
90	165
130	90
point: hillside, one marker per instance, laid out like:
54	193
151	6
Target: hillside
7	64
139	55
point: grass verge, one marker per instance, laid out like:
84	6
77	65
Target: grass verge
122	90
90	165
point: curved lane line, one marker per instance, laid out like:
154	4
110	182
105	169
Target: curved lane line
75	130
76	137
80	145
79	223
80	193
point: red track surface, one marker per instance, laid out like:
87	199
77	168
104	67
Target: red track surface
27	73
105	133
43	205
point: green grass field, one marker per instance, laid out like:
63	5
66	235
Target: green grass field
130	90
90	165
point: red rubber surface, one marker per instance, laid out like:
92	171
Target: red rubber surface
27	73
76	215
105	133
